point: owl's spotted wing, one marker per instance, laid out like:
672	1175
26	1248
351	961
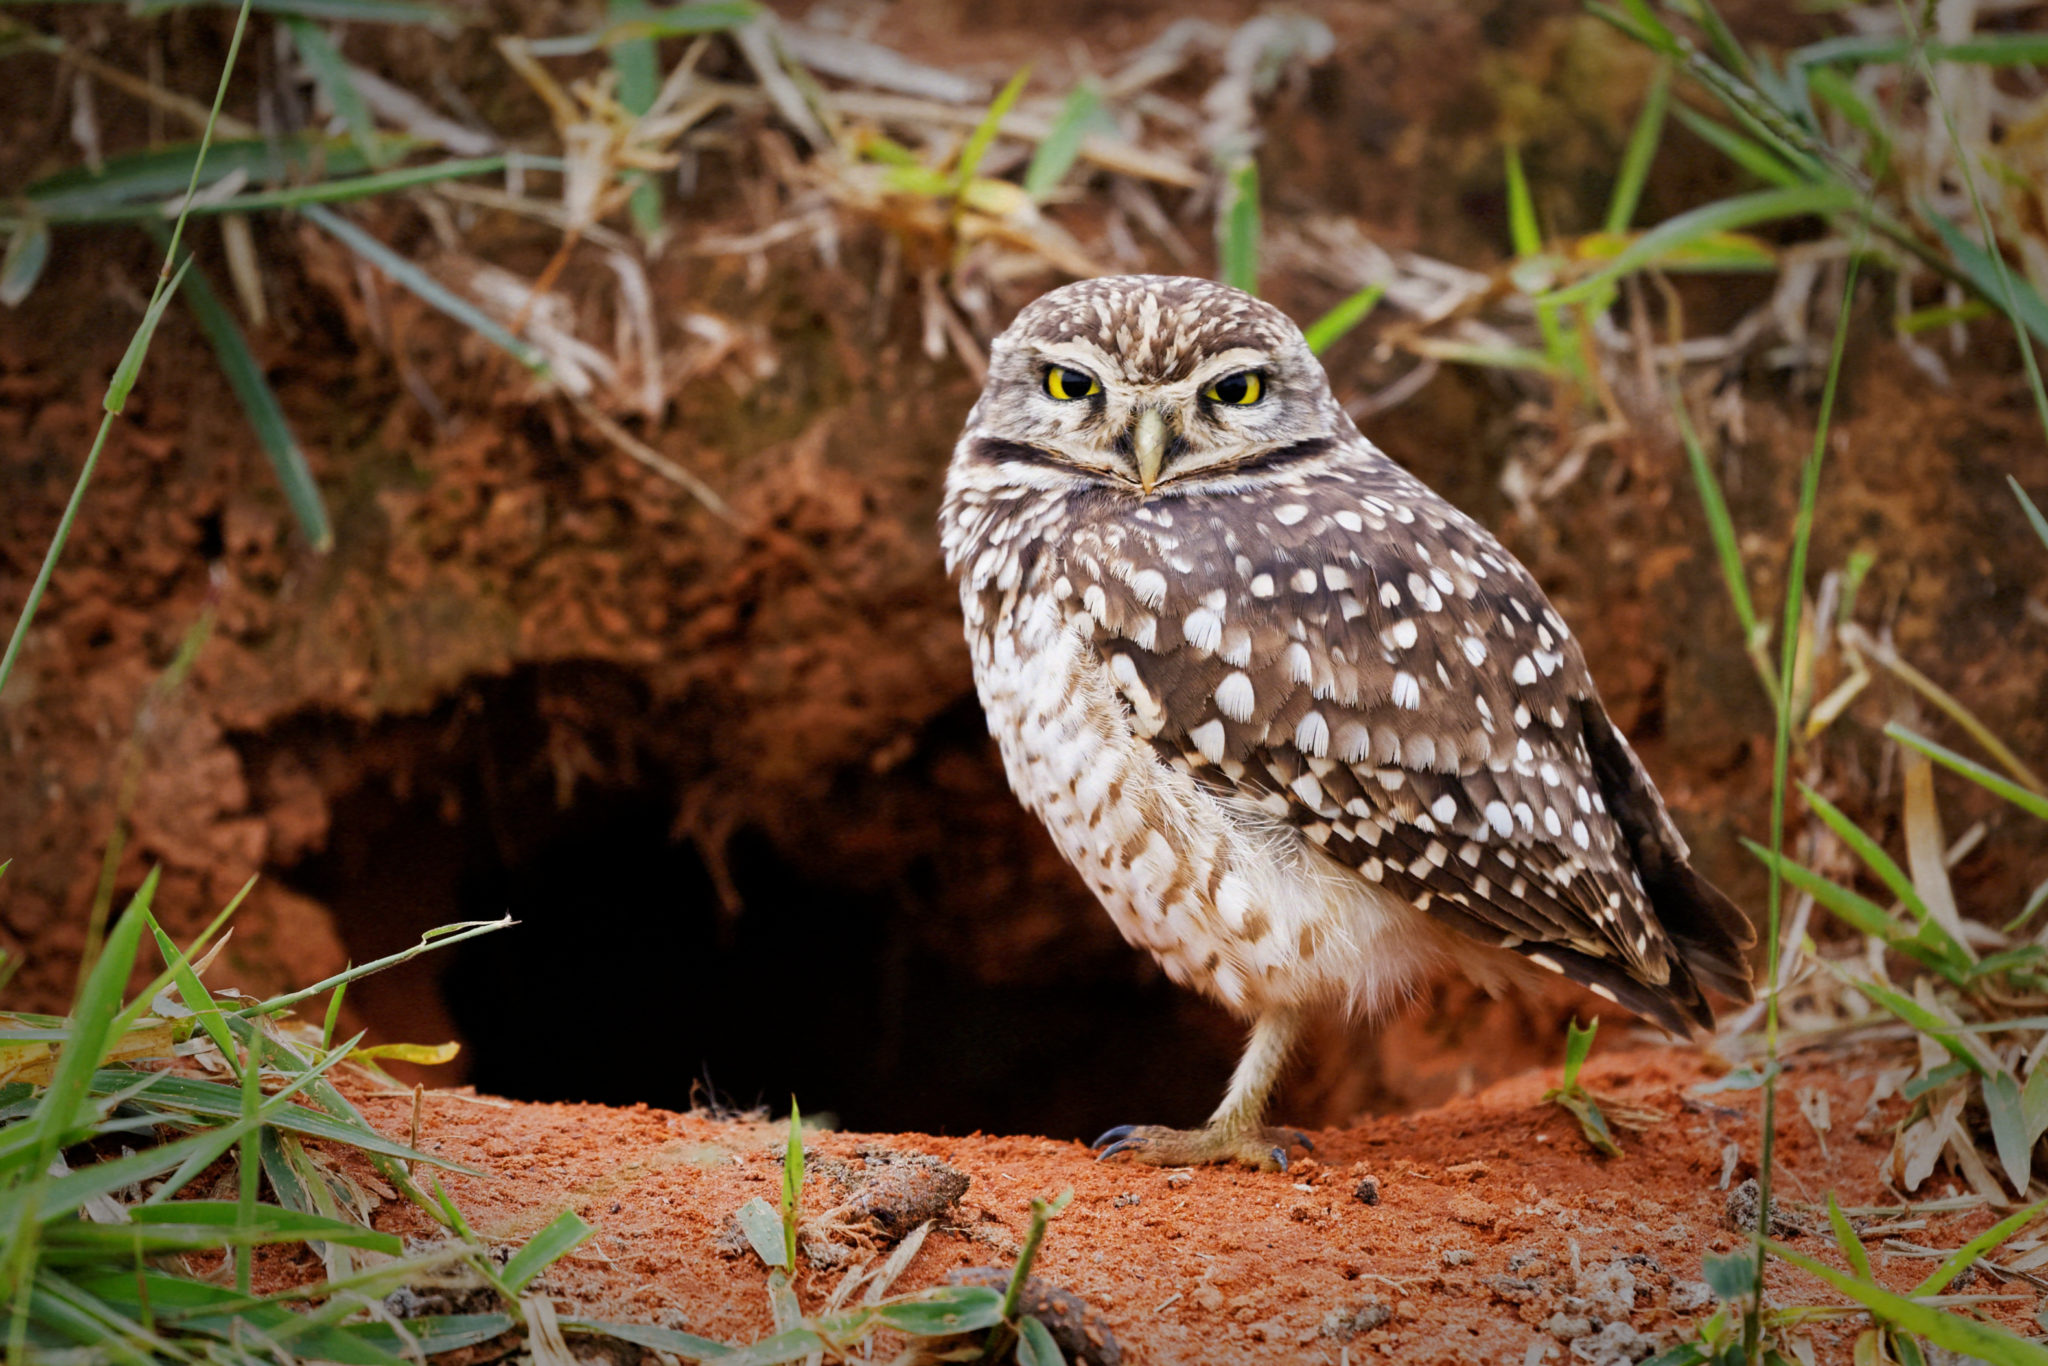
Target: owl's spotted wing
1350	654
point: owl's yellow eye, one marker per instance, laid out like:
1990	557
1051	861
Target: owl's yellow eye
1240	390
1065	383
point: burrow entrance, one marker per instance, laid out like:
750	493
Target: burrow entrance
638	973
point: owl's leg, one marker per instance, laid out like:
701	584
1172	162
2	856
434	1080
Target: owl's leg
1234	1133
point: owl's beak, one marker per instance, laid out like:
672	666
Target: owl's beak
1149	435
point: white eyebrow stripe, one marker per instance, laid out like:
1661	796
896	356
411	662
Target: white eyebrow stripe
1228	363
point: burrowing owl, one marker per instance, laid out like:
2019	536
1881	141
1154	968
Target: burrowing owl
1311	733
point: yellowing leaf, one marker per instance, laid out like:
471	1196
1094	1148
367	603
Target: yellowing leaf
425	1054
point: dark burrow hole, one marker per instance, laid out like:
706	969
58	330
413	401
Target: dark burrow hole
628	977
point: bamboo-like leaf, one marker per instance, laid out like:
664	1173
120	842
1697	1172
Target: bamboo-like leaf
1727	215
420	1054
2026	799
1934	951
259	404
1869	850
430	290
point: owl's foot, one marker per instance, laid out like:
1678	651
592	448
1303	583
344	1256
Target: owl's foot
1155	1145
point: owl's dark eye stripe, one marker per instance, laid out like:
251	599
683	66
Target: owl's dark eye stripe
1065	383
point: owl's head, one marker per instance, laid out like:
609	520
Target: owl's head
1149	383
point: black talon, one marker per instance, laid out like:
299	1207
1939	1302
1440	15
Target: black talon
1303	1139
1121	1145
1280	1156
1120	1132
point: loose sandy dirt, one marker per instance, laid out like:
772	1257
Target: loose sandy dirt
1484	1231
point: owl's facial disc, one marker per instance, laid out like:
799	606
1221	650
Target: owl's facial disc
1089	411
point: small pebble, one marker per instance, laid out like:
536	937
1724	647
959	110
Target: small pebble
1367	1192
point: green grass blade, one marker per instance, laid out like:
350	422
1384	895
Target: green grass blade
639	72
1870	851
338	190
123	382
259	404
430	291
332	74
2026	799
249	1164
1721	526
794	1345
1974	1338
761	1224
984	135
1746	152
688	1346
1238	229
792	1182
945	1309
28	251
1349	312
1578	1046
1845	1238
1035	1344
1641	151
1057	151
2034	517
440	937
1762	206
563	1235
1925	1022
62	1308
429	1335
1988	276
1868	918
1524	234
205	1100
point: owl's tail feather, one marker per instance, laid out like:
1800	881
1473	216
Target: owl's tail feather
1677	1005
1710	933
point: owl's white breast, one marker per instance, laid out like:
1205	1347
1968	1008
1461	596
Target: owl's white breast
1229	900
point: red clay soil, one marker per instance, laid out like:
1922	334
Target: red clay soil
1483	1231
